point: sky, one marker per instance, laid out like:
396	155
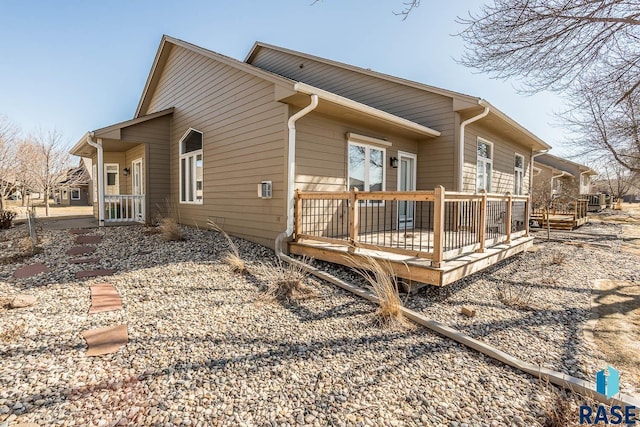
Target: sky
79	65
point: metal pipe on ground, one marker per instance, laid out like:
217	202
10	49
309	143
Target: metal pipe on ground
568	382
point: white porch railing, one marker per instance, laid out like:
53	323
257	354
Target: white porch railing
124	208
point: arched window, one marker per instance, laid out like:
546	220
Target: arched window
191	170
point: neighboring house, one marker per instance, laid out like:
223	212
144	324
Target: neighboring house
565	186
566	178
230	141
73	190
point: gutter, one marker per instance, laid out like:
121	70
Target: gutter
291	169
461	142
100	177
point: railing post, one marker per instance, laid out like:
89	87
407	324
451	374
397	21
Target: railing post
508	218
438	227
527	206
297	215
353	219
483	222
575	210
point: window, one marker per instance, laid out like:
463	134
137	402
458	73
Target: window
484	165
191	174
518	174
366	167
111	178
75	194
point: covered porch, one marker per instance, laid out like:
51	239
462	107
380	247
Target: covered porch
434	237
124	156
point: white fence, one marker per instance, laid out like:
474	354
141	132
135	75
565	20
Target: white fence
124	208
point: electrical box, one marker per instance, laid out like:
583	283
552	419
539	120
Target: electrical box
265	189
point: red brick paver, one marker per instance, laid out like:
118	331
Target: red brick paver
30	270
106	340
81	250
94	273
104	297
84	261
96	238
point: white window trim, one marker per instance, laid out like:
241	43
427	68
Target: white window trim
515	169
486	161
190	154
79	195
117	185
133	163
367	148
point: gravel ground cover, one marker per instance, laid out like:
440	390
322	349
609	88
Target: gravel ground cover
206	349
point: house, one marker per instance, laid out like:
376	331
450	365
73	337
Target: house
566	178
565	186
347	161
73	189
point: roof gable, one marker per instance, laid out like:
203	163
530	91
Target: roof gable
167	43
433	89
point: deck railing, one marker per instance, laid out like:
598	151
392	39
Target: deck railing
124	208
577	208
428	224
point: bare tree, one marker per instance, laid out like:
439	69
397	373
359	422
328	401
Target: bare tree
8	135
550	43
52	163
27	154
590	49
617	180
604	127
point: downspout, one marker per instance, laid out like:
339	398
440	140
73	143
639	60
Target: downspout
100	177
533	156
580	184
291	170
553	177
461	143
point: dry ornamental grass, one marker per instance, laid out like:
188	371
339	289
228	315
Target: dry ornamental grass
380	276
284	282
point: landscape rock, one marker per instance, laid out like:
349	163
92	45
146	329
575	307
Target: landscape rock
22	301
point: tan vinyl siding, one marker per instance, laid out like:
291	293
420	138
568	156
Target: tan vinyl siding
436	157
155	153
244	132
321	153
504	151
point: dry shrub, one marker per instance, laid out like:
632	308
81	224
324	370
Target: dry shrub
169	222
519	297
6	218
170	230
232	257
560	410
12	332
380	275
558	258
284	282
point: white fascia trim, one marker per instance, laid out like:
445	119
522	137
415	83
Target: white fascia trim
365	109
354	137
503	116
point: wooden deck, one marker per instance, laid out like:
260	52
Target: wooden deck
560	222
414	269
434	237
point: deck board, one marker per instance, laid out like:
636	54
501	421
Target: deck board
413	268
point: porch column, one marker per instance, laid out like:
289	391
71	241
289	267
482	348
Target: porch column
100	178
